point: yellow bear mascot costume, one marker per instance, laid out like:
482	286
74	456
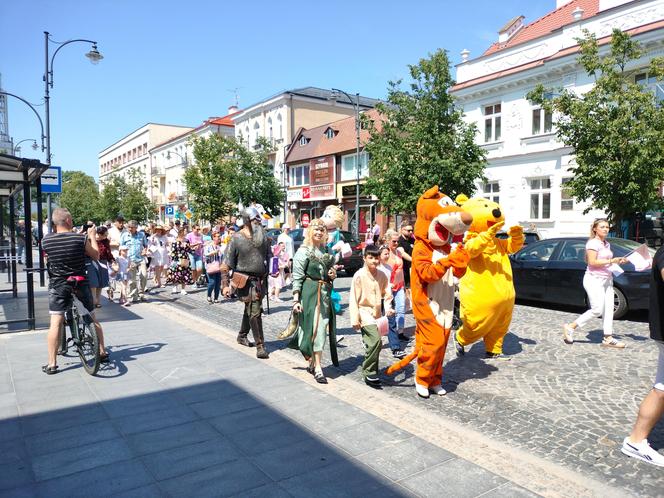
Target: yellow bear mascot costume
486	291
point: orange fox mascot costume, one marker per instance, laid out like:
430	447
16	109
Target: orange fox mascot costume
432	286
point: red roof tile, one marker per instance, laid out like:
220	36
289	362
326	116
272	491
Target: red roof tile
552	21
319	145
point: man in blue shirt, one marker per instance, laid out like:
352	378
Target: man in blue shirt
137	246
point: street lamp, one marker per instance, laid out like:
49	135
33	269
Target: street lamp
41	123
17	147
94	56
334	96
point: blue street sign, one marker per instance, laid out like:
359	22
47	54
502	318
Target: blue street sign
169	211
51	180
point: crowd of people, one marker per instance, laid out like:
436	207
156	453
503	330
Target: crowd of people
236	258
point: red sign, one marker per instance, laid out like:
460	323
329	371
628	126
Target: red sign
304	219
306	192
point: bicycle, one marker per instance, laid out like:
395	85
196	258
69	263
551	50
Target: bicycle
83	332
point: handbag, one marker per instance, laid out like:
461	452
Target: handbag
291	327
239	280
213	266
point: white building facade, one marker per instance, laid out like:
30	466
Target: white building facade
527	165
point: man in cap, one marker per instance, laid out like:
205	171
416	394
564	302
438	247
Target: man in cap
247	254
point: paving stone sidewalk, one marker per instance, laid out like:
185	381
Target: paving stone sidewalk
572	405
177	413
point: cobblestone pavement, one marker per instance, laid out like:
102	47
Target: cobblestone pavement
572	405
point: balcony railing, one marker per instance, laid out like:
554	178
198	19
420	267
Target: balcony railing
157	171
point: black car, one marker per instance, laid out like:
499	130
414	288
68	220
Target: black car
351	264
528	236
552	270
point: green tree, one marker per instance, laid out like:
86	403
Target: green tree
254	177
422	140
616	129
226	173
126	197
80	195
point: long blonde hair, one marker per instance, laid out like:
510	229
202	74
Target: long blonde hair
594	226
309	232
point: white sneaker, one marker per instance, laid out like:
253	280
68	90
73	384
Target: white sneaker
183	292
422	391
438	390
642	451
568	337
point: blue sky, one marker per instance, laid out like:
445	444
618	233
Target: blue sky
177	62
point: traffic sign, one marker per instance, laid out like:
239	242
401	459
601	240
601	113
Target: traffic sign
304	219
51	180
169	210
188	214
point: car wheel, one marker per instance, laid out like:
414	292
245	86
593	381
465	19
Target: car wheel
619	304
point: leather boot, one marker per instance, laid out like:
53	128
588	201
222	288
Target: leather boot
257	330
244	330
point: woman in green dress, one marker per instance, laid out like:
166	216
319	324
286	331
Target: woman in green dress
313	273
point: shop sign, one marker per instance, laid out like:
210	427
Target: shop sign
349	190
322	177
294	195
304	220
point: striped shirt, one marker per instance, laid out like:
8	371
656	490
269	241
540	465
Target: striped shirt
66	254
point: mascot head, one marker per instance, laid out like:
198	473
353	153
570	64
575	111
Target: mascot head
333	217
485	213
439	219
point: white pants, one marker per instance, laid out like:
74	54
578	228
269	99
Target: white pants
600	296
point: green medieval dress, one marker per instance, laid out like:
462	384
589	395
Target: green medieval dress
317	320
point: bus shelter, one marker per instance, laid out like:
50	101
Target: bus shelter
18	177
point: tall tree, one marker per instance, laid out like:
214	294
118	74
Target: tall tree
80	195
126	197
616	129
209	180
422	140
226	173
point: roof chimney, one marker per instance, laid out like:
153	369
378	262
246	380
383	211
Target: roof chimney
464	55
577	13
232	109
510	29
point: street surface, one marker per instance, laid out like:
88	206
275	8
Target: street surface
572	405
182	408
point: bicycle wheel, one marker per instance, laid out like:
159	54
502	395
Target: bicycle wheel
87	344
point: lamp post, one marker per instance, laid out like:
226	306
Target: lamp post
94	57
41	123
17	147
356	104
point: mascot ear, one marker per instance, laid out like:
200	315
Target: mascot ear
461	199
432	193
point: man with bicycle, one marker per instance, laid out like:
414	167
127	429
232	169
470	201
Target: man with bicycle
66	251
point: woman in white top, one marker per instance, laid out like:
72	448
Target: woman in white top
158	248
598	283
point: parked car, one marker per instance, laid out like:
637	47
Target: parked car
351	264
273	234
528	236
552	270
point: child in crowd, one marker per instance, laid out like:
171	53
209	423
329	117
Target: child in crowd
120	267
368	287
278	263
393	334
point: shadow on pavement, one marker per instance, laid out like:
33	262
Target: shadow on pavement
209	439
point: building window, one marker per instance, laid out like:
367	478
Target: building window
269	124
566	199
329	133
650	82
540	198
348	169
303	140
299	175
491	191
281	127
492	123
542	121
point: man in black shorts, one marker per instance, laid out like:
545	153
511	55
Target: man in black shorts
66	253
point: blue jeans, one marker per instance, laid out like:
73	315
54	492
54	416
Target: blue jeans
396	322
214	283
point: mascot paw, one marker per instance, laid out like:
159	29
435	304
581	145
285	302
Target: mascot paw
494	229
459	258
516	231
422	391
438	390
